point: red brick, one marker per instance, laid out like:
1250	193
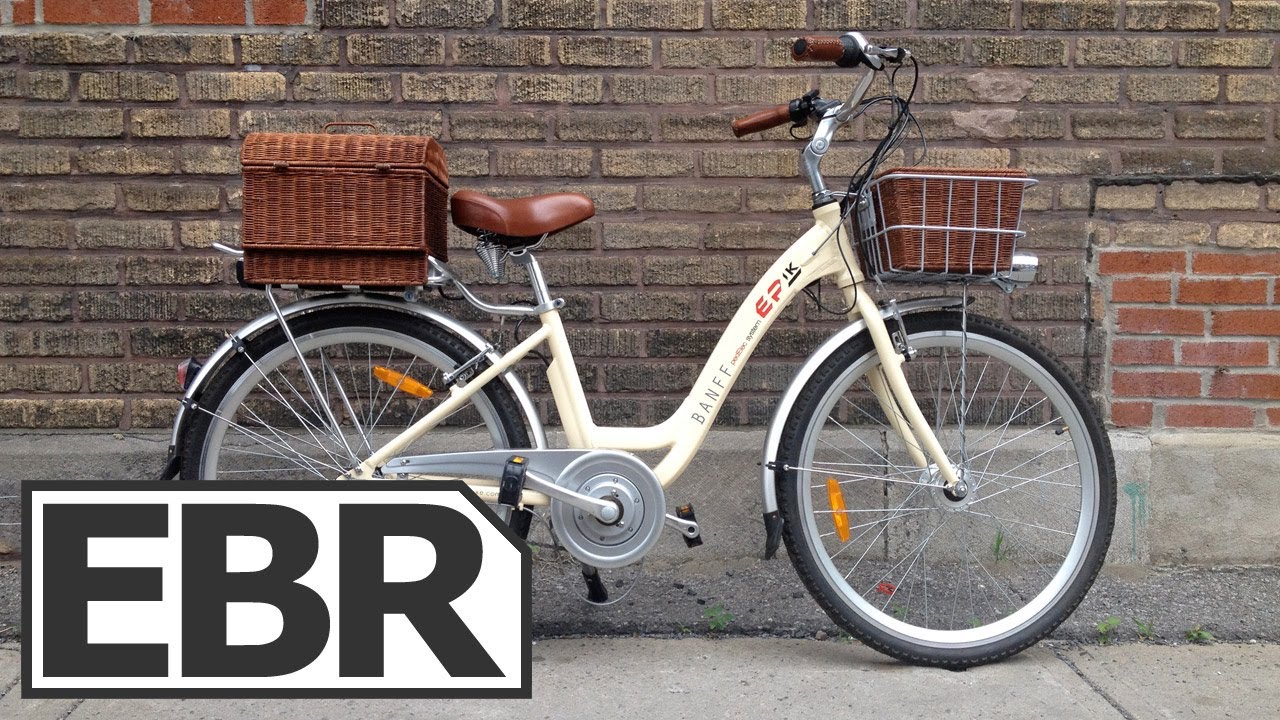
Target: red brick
1222	292
79	12
1253	263
1224	353
279	12
1273	416
1131	414
1245	385
1208	416
197	12
1141	290
24	12
1164	321
1141	262
1246	322
1155	384
1130	351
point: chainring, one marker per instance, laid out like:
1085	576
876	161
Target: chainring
617	477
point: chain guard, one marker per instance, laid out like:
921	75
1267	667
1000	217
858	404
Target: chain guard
622	478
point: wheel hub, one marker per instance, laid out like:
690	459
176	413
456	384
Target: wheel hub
954	499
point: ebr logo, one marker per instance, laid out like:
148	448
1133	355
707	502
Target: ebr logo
271	589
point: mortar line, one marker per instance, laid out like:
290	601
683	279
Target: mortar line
1094	686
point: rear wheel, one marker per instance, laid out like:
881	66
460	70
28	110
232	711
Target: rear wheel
260	418
912	569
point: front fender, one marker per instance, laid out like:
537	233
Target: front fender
373	302
768	476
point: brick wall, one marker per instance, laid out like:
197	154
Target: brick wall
120	123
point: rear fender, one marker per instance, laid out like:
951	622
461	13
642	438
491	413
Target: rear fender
372	302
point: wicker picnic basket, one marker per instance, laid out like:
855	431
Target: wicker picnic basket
342	209
926	223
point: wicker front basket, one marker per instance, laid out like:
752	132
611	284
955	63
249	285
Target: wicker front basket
951	222
343	209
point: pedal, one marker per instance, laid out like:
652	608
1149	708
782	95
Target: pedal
685	512
512	484
596	592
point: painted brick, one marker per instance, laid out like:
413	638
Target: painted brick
1131	414
1161	322
1129	351
1247	322
196	12
73	12
1141	290
1222	292
1250	386
1208	416
1155	384
1225	353
279	12
1254	263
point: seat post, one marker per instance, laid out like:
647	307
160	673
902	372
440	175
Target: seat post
541	295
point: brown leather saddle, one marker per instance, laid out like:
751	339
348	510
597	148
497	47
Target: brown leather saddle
518	222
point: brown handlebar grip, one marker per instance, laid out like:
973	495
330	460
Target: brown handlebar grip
763	120
817	49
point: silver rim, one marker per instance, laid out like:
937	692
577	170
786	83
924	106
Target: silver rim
919	565
270	424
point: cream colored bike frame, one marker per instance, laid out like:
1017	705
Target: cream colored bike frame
823	251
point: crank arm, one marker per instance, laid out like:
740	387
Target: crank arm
602	510
688	528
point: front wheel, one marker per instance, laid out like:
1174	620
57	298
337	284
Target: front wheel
911	569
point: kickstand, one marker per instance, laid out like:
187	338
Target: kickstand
596	591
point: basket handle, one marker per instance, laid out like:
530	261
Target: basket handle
329	127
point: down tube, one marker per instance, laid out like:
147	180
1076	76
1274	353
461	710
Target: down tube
815	255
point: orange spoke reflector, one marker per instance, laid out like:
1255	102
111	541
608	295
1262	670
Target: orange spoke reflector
401	382
841	518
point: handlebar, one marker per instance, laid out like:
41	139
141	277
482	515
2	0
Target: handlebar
763	120
848	50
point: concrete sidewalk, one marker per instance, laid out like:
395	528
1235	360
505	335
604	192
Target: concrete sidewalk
758	678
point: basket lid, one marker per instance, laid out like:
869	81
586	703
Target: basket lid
405	152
